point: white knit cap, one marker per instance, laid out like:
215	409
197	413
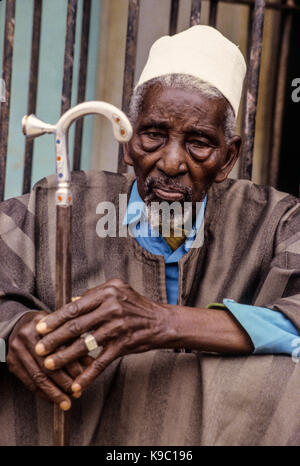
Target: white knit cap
202	52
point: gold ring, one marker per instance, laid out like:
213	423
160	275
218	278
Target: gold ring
92	345
90	342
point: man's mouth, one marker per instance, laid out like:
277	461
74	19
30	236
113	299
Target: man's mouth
166	189
168	194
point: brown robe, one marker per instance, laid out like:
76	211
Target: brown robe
251	253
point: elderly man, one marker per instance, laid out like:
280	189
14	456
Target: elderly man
177	321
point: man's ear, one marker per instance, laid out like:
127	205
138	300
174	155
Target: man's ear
127	158
233	153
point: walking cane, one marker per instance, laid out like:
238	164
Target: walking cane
34	127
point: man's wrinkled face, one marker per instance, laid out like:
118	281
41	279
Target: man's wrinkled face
178	148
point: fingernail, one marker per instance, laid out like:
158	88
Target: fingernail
77	394
40	348
49	363
76	387
75	298
65	405
41	327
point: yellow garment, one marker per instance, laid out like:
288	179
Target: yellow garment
175	241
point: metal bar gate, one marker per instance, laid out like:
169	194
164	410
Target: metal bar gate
255	35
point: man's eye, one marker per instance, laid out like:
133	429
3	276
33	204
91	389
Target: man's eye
197	143
152	140
153	135
199	149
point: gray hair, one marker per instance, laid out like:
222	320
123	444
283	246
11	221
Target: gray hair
187	82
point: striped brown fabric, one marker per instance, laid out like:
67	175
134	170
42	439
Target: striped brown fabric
251	253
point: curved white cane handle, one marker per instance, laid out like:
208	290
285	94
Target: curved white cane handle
34	127
121	126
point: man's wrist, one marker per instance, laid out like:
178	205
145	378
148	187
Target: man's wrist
211	330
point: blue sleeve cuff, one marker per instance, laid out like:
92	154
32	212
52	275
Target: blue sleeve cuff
270	331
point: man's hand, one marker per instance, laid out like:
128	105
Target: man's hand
29	367
124	322
119	318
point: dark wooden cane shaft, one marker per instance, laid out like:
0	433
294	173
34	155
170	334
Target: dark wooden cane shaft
63	226
60	427
63	296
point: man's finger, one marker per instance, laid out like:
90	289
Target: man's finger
43	382
26	353
23	375
77	326
87	303
86	361
74	369
66	332
78	349
109	354
17	368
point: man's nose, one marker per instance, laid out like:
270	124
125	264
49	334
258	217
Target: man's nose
173	160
